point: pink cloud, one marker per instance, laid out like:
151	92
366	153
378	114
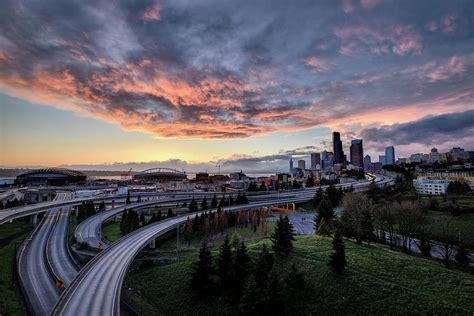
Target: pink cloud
449	22
318	64
455	66
347	6
369	4
152	13
399	39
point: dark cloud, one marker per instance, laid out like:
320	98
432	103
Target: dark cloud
220	69
429	130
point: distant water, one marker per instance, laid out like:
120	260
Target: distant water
191	175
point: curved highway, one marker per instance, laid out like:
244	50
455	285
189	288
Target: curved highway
44	258
89	231
35	278
96	289
58	255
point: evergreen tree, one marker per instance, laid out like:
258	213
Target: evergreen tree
235	242
139	198
193	207
231	200
252	298
263	267
238	200
295	283
169	214
310	182
188	230
127	201
283	236
224	265
245	200
142	221
462	257
252	187
159	217
214	202
204	205
124	222
102	206
223	201
153	219
318	197
202	283
240	270
276	296
323	228
338	256
325	211
135	221
262	187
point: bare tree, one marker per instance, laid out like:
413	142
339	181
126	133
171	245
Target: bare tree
447	239
385	219
357	216
410	219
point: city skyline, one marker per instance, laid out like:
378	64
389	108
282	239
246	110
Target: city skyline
128	89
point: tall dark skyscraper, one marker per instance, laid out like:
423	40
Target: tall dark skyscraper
357	153
337	148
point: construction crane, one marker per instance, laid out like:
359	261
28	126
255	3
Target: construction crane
219	168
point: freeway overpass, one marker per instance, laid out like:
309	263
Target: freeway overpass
106	271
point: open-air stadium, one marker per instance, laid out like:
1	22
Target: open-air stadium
160	174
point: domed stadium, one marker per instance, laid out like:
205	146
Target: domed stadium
160	174
51	177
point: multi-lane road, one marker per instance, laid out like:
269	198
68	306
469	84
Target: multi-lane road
44	257
36	257
96	289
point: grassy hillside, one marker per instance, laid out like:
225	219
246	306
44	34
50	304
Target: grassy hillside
11	302
377	281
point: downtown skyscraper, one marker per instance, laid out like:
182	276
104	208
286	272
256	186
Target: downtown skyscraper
390	155
337	148
357	153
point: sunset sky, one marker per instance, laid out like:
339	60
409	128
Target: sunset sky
195	83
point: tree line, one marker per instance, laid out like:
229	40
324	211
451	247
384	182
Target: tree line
212	223
255	285
132	220
12	203
205	205
88	208
400	224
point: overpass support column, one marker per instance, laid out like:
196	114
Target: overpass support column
34	220
76	211
152	244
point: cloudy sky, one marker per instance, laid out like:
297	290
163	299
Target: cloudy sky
245	84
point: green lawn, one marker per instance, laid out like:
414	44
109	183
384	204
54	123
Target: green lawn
111	231
377	281
463	225
11	302
461	200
